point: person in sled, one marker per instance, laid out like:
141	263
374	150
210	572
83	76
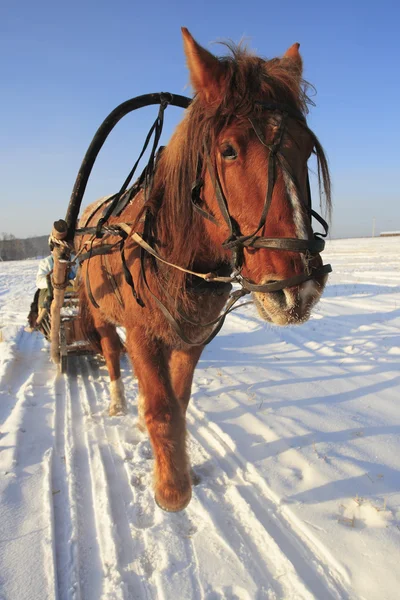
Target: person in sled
44	293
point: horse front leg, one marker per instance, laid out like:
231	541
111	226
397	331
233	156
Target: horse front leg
182	364
165	421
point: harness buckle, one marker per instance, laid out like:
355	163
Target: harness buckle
237	276
307	259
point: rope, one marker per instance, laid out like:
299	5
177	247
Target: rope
57	242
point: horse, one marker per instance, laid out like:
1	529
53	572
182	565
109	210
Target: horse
235	166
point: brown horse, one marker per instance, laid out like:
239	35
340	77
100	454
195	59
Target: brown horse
245	144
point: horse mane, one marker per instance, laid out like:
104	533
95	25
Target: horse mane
177	227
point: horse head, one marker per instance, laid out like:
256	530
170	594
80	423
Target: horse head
251	145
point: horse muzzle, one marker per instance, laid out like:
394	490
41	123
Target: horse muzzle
290	305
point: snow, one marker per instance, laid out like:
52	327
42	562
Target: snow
294	434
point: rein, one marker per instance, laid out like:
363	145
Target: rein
236	242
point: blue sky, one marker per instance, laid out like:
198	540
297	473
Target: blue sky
65	66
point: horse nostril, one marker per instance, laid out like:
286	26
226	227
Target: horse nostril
279	297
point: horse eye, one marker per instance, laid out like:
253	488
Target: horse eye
229	153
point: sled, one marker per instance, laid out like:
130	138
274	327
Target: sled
71	340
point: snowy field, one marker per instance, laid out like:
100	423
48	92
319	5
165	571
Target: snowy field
294	434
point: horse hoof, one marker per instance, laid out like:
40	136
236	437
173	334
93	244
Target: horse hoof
117	410
173	505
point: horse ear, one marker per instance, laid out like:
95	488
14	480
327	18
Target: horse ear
206	72
294	59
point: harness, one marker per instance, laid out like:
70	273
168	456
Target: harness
236	241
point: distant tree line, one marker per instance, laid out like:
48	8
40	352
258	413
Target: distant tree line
12	248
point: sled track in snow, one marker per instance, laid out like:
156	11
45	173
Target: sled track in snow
26	461
264	524
111	541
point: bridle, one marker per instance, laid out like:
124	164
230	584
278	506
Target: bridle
236	242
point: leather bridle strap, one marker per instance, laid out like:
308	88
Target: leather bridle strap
220	320
275	286
237	278
322	222
236	241
314	246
